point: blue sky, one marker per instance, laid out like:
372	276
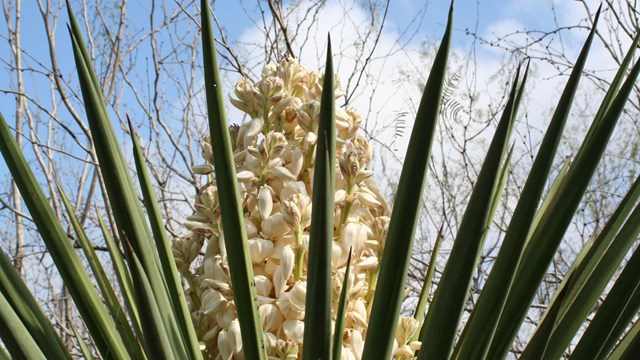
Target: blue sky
483	16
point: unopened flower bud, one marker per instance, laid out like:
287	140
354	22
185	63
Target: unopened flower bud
296	211
367	197
209	197
270	86
224	345
274	226
274	144
207	151
298	296
186	250
284	270
309	116
245	176
380	228
407	327
205	169
283	173
286	350
293	330
349	166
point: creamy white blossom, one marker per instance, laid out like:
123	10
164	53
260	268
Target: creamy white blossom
274	153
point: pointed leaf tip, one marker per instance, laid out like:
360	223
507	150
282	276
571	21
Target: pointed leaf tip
130	124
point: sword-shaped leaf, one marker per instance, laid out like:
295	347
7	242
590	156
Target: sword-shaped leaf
397	252
165	255
109	296
451	295
15	335
551	229
67	261
29	312
317	321
235	234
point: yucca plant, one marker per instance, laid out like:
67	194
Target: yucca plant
293	253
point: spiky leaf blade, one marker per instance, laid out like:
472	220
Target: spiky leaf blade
235	235
64	256
342	306
449	300
614	315
15	335
593	274
84	347
395	259
108	294
317	329
629	346
123	277
156	339
554	223
168	265
491	301
28	310
122	194
426	286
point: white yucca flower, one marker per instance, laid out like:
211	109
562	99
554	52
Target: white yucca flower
274	154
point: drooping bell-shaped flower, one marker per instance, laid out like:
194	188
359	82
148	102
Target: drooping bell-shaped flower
274	154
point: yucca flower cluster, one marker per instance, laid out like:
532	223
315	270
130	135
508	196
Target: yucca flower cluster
274	156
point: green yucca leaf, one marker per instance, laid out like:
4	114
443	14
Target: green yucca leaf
317	321
155	339
629	347
395	259
590	257
496	194
109	296
70	266
15	335
122	276
84	347
496	197
545	331
26	307
235	234
426	287
82	47
615	83
449	300
593	273
551	229
549	198
342	305
4	355
629	313
595	250
612	318
485	315
127	210
171	275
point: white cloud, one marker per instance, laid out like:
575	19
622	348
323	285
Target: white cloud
388	87
380	95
